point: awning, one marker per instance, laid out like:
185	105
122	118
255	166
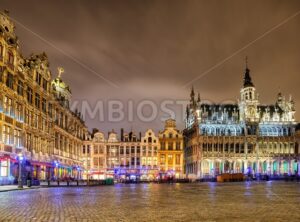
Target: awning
97	173
7	157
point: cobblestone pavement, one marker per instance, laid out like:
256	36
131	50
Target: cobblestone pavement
249	201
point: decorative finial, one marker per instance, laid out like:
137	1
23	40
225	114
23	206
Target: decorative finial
246	60
60	71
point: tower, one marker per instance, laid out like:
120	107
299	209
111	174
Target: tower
249	99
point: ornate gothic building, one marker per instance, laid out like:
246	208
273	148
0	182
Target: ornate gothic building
35	119
247	136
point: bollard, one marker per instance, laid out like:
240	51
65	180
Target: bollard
68	183
48	183
77	182
58	183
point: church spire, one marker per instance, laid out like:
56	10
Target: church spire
247	77
192	93
198	99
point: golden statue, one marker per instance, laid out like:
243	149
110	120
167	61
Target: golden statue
60	71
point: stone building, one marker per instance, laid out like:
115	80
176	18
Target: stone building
35	119
149	169
94	156
247	136
170	153
132	157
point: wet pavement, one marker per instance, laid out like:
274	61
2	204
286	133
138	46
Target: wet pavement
247	201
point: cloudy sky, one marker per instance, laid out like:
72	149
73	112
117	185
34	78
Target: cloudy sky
133	50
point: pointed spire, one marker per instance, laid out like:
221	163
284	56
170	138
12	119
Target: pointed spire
192	92
198	99
247	77
187	111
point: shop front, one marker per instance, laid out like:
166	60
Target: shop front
8	170
98	175
149	175
65	172
41	170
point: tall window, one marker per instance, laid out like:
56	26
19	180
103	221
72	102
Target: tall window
177	159
10	80
7	135
177	145
10	58
162	159
44	105
50	109
20	88
19	112
96	163
38	78
95	149
18	138
163	145
37	100
29	141
170	145
4	168
29	95
170	159
7	105
45	84
36	120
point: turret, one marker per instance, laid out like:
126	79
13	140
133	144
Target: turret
249	99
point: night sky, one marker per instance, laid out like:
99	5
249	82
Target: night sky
136	50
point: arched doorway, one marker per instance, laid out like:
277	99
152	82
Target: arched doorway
265	167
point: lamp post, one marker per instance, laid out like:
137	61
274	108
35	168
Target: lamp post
88	177
57	166
20	182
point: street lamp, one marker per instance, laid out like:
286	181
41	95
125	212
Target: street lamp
78	173
88	177
20	182
57	166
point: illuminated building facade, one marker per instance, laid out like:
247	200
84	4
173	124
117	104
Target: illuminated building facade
35	119
149	169
132	157
170	154
247	137
94	156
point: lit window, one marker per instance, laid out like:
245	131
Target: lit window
4	168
